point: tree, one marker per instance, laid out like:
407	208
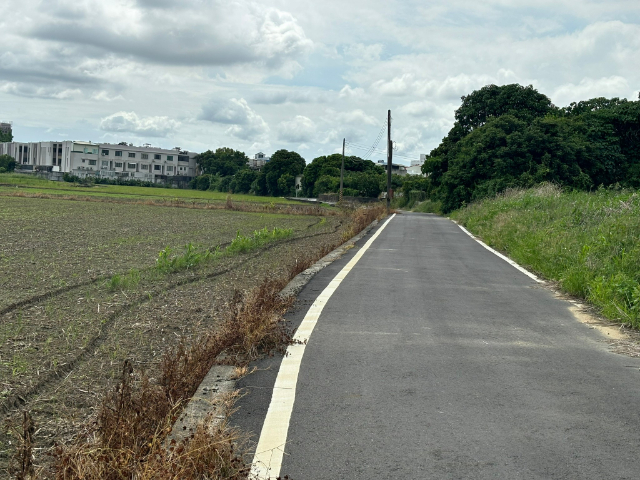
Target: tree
330	165
224	161
282	162
492	101
6	137
243	180
477	108
7	163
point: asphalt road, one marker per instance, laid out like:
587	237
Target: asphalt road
435	359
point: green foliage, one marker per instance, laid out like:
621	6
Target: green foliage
169	261
588	242
224	161
242	243
7	163
329	166
6	137
282	163
512	136
128	281
243	181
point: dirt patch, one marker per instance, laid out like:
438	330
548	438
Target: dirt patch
622	339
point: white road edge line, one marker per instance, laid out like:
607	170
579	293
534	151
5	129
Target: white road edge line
503	257
273	437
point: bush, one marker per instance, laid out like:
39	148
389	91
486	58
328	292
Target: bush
8	163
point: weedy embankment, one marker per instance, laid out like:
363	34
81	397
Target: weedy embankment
588	242
126	438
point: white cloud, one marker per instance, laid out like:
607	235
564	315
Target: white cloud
129	122
614	86
28	90
245	123
103	96
355	117
300	129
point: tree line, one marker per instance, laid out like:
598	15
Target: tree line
227	170
513	136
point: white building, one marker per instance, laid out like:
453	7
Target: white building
258	161
123	161
416	166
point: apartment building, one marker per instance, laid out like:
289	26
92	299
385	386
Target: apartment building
258	161
83	159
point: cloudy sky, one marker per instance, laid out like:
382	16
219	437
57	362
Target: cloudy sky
299	75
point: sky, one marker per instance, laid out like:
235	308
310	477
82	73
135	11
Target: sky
298	75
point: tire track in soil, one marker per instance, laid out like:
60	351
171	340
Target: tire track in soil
26	302
16	401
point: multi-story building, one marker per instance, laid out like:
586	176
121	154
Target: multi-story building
258	161
123	161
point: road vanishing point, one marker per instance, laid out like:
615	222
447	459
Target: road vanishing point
424	355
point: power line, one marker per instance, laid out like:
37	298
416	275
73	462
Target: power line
361	147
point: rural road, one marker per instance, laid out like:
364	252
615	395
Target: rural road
436	359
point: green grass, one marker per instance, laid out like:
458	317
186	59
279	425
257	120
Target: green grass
169	261
588	242
10	181
125	281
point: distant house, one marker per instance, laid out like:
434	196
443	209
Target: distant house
258	161
396	169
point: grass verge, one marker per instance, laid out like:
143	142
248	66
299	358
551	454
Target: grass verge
587	242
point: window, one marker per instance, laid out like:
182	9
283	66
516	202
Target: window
132	155
131	166
157	156
169	168
144	156
92	162
93	151
105	163
144	167
183	158
118	164
118	153
170	158
105	152
83	160
156	167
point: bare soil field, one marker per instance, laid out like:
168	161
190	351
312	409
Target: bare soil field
80	293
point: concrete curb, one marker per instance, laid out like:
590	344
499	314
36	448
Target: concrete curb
221	379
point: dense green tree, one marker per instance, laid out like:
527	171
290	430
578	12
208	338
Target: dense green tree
243	180
259	185
283	162
7	163
491	101
330	165
326	184
224	161
6	137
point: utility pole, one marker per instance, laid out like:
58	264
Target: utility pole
389	157
342	170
